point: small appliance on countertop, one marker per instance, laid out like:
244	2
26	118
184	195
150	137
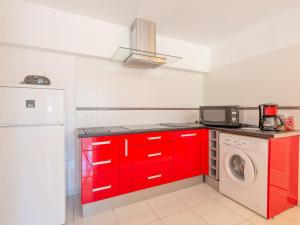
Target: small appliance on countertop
36	80
268	117
225	116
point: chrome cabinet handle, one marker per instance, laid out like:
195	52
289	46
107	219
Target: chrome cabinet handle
102	188
102	162
126	147
154	154
154	138
189	135
101	143
154	177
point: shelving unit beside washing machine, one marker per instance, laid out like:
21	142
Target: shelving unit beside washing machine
213	175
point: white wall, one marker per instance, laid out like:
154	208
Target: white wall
258	65
102	83
277	32
34	25
271	77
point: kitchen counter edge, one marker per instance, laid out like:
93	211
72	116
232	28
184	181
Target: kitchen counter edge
236	131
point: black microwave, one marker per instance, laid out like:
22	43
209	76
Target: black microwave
227	116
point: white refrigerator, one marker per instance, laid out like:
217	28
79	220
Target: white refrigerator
32	170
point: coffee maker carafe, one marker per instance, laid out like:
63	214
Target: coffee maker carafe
268	118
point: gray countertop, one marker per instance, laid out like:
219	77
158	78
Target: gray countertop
257	132
134	129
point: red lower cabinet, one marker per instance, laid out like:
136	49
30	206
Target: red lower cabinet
189	152
283	174
115	165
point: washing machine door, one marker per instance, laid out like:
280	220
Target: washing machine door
239	167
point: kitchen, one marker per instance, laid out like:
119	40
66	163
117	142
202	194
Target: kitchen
78	59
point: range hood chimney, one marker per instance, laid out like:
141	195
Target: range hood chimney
142	51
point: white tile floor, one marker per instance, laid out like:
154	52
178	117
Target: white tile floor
197	205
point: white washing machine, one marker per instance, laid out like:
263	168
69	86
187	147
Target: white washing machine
244	170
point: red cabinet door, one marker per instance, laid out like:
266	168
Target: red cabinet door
187	154
283	174
99	168
204	151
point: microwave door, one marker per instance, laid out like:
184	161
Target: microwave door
214	115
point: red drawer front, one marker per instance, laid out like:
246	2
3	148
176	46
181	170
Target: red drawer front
104	143
153	153
103	167
152	175
187	134
102	156
99	186
151	137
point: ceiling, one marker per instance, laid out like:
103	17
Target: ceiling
197	21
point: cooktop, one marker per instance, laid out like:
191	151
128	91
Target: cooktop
101	130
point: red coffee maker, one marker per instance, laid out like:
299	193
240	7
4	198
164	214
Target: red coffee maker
268	117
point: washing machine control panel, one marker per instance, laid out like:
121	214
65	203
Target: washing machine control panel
244	142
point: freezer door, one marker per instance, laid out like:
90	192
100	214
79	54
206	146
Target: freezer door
32	175
28	106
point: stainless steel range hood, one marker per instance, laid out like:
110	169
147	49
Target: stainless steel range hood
142	51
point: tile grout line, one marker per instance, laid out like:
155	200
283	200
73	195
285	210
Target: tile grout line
191	207
204	220
172	214
287	218
290	220
73	209
115	216
152	211
198	204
